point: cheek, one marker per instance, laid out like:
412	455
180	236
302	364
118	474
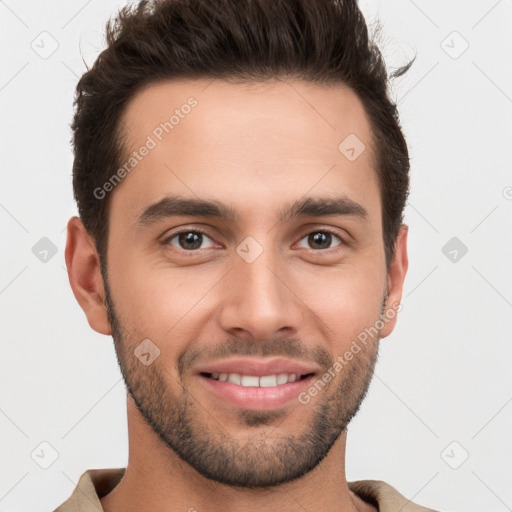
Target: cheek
158	302
347	302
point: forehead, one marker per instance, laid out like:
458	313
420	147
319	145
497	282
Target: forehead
252	145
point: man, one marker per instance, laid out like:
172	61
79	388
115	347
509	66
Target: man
240	174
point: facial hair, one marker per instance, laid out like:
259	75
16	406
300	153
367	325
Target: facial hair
263	459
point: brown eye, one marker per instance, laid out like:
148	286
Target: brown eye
320	240
188	240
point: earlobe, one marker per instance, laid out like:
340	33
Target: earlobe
84	274
396	276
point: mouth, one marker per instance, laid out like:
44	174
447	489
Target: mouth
257	393
255	383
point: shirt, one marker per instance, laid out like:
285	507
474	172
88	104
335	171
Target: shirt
96	483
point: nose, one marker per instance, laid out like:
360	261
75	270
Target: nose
259	298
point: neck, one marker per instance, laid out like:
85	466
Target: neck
157	479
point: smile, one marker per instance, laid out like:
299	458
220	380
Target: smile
248	381
256	393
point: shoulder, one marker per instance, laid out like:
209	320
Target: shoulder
385	496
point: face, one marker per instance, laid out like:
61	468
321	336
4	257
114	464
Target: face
246	249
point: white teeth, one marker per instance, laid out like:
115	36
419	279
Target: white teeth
250	381
235	378
266	381
282	378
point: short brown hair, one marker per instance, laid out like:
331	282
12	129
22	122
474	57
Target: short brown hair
320	41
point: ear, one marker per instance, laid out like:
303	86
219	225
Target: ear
83	264
396	276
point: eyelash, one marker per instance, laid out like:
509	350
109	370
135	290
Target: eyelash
167	240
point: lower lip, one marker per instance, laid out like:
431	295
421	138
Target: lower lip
257	398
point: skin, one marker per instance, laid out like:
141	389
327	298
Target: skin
255	147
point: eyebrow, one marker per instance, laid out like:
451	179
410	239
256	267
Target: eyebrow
177	206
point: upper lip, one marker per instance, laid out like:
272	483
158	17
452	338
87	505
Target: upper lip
257	367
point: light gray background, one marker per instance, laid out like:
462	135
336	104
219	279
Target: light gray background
442	389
